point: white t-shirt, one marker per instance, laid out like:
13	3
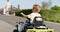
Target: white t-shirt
32	15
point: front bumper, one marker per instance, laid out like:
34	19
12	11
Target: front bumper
40	30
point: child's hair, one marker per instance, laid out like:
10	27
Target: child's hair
35	5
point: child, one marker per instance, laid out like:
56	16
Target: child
35	12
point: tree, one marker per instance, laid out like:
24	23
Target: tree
55	8
45	5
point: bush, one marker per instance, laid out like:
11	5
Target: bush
58	21
25	11
44	13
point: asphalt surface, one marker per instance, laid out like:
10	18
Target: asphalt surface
5	27
52	25
7	23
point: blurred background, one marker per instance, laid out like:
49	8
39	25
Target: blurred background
50	8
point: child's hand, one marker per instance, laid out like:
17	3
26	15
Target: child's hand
22	13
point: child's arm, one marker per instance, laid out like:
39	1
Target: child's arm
24	15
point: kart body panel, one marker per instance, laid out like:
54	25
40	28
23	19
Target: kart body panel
40	30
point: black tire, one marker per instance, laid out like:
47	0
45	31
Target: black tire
15	30
44	25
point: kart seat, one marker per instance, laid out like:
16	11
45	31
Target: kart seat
38	21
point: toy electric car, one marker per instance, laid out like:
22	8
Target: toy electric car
37	26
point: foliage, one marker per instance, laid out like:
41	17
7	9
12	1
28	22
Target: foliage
54	15
44	13
45	5
51	15
25	11
55	8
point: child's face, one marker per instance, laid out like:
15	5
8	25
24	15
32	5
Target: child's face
37	8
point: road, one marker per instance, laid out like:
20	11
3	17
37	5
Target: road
52	25
5	27
7	23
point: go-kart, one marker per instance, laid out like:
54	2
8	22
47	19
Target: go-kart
37	26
